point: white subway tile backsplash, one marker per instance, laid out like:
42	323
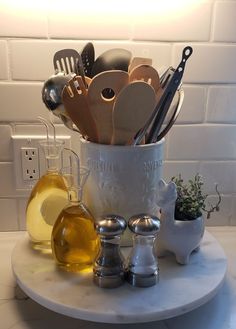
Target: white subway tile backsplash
7	179
8	218
5	143
39	129
3	60
21	213
20	20
85	24
222	104
202	142
224	21
221	172
222	217
187	169
168	24
24	52
21	102
193	108
209	63
233	217
23	56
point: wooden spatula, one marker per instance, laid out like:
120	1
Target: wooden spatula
74	98
132	109
146	73
136	61
102	93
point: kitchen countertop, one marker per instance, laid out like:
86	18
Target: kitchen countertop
17	311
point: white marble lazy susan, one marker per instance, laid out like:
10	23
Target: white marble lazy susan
181	288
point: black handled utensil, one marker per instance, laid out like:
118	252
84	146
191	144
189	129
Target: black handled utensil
88	57
65	60
173	117
167	97
69	61
164	79
112	59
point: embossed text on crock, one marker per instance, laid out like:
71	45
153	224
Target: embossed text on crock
102	166
152	165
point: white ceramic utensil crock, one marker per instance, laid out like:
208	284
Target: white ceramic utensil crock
123	180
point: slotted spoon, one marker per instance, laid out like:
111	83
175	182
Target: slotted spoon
101	102
88	56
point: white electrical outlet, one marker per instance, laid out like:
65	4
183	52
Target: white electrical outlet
30	163
28	171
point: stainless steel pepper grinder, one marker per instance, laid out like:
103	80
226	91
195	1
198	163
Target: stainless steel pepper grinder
142	265
109	268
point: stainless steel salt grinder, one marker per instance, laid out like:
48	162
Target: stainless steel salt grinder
142	265
109	268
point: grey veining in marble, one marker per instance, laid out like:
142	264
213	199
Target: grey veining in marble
181	288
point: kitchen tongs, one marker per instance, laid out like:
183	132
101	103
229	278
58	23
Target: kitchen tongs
172	80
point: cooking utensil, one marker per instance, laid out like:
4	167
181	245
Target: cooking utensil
112	59
68	122
170	81
163	82
80	69
76	104
136	61
52	89
132	109
66	60
165	77
88	57
146	73
51	96
174	116
166	99
100	102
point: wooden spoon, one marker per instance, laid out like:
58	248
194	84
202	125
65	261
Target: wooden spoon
132	109
136	61
102	92
74	98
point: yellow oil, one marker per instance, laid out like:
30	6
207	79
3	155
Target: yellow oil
75	242
48	197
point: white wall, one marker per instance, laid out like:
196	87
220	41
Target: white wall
204	138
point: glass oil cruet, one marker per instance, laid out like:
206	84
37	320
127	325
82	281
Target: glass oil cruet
48	196
75	243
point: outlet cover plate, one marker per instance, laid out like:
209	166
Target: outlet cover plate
21	141
30	163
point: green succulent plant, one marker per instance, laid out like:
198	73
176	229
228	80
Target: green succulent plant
191	200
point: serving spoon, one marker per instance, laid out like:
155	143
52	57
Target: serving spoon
51	96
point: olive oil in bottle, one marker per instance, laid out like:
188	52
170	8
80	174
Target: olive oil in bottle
75	242
47	199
